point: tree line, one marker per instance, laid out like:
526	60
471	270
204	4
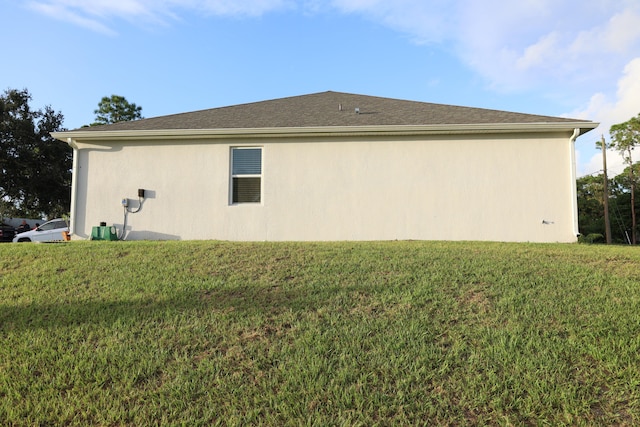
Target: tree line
591	207
35	168
620	192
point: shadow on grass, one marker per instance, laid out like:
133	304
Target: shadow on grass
244	301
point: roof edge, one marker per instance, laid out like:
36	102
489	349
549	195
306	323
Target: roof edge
444	129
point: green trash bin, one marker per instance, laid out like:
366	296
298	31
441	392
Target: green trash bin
104	232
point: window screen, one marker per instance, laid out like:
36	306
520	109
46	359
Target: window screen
246	174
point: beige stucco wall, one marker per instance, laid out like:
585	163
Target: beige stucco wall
491	187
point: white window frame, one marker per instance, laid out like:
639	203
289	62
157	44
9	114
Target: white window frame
245	175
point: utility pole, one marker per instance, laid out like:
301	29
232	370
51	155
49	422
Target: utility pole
632	179
605	192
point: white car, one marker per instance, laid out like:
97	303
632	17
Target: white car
55	230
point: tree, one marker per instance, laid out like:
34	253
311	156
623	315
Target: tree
590	191
624	138
590	206
621	202
115	109
35	168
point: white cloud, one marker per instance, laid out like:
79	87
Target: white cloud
622	31
234	7
68	15
540	54
425	22
517	44
548	44
95	14
609	112
626	104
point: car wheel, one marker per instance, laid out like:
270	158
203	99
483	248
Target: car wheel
24	239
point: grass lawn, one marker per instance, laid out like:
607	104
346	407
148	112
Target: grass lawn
376	333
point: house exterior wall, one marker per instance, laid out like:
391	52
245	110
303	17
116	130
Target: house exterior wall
498	187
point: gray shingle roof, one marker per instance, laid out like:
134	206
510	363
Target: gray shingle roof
329	109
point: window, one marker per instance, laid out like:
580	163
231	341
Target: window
52	225
246	175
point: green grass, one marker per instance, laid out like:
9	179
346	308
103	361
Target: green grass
376	333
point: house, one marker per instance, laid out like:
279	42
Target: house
329	166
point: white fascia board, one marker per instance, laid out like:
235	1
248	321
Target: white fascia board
96	137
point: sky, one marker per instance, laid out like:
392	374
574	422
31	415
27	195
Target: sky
577	59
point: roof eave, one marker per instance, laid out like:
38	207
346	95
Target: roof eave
79	136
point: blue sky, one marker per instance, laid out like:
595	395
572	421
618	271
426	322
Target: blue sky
560	58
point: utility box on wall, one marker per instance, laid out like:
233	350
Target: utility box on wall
104	233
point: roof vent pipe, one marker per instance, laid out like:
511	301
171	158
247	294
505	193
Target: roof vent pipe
357	110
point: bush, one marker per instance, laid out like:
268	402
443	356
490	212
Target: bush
591	238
